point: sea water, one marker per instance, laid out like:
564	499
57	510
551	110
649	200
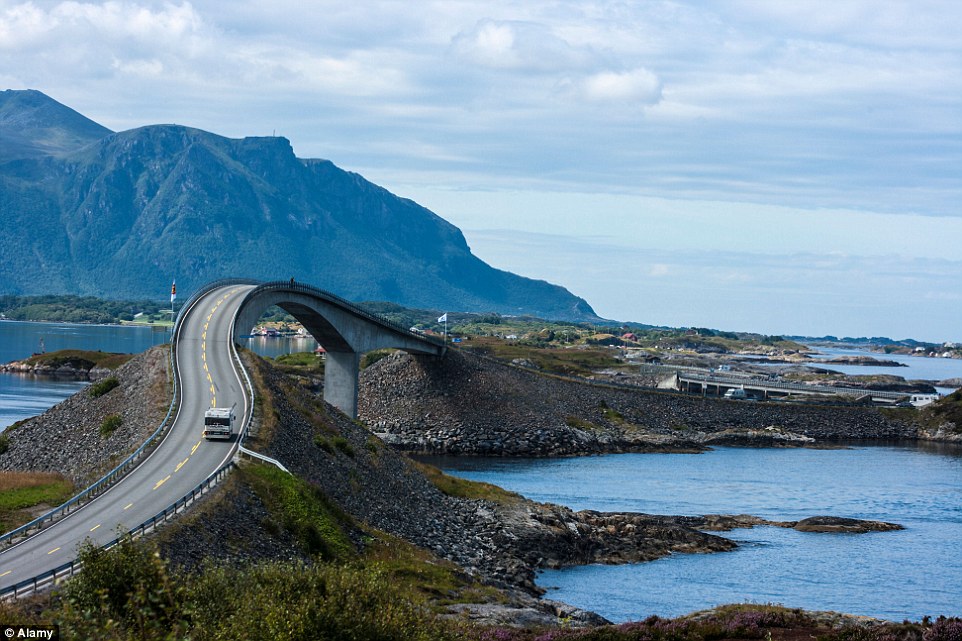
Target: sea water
893	575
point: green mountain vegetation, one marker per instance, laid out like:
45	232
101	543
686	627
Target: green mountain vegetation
81	309
120	215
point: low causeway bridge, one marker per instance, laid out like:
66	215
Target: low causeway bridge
715	384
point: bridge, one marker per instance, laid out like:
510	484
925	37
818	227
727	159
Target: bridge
176	465
345	330
715	384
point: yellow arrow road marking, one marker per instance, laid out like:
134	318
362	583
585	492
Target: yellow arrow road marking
128	506
162	481
53	550
181	464
95	527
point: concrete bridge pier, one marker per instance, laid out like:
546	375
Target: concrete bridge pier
340	380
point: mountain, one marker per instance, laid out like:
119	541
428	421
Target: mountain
31	125
119	215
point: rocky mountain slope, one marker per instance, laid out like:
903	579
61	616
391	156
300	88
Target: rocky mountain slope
120	215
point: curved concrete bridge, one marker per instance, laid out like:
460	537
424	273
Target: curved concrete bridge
345	330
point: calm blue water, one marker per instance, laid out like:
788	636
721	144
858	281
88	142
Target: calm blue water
917	367
25	396
893	575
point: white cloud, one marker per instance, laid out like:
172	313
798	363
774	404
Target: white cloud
638	85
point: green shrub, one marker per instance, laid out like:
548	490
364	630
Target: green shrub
342	444
100	388
110	424
126	587
324	443
4	443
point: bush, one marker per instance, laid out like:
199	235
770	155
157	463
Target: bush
342	444
126	587
110	424
944	630
100	388
324	443
4	443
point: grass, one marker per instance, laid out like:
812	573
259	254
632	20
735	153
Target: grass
581	361
79	359
948	409
100	388
372	357
420	574
303	510
465	489
303	363
21	491
579	423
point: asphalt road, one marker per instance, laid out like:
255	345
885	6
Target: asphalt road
181	462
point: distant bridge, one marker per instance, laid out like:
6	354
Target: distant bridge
716	385
345	330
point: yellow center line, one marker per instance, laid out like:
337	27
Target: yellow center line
95	527
204	356
194	449
6	573
128	506
203	346
204	336
181	464
162	481
53	550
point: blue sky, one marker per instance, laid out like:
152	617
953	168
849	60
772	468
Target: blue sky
783	167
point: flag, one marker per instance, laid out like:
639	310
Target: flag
443	318
173	292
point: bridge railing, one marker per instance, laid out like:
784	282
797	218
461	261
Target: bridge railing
354	308
783	385
110	478
53	577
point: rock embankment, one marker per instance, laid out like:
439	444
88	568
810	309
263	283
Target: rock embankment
501	542
463	404
68	438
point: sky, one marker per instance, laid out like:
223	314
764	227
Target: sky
786	167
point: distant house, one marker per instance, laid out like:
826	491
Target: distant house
629	336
